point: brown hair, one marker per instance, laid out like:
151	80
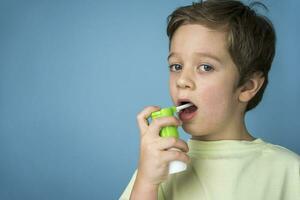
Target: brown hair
251	37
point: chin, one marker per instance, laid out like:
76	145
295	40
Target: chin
193	130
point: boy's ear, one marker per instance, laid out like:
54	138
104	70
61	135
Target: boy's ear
251	87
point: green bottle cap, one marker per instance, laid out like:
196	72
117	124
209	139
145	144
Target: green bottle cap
168	131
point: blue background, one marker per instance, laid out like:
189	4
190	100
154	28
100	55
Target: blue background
74	75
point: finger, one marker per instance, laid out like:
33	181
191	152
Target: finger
170	155
158	123
171	142
143	115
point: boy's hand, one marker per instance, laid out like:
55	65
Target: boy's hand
154	153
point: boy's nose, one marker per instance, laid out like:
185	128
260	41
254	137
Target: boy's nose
185	81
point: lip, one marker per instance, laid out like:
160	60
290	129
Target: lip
189	118
180	100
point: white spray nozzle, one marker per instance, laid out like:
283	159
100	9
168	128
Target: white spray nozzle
179	108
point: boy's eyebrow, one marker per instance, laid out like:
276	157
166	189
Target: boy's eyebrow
203	54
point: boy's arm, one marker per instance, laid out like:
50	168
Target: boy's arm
131	189
143	190
155	154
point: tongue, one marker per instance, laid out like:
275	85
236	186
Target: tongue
188	113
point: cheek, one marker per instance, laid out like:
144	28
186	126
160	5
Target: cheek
215	101
172	88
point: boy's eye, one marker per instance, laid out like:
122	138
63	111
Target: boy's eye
205	67
175	67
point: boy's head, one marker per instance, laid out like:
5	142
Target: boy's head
250	37
220	55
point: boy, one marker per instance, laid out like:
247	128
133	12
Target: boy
220	55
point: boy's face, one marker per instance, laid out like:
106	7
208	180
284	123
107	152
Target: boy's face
202	71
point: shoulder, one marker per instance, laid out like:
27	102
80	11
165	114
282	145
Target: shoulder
277	153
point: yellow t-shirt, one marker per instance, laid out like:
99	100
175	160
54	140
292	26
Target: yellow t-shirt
233	170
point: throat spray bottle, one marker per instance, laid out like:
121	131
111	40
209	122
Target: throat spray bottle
171	131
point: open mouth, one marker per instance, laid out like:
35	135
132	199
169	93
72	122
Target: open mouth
189	112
